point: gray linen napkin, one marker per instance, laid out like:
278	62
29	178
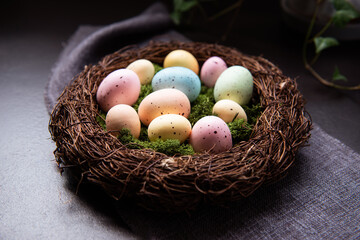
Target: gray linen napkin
319	199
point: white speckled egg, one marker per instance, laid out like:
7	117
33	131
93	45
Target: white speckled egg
123	116
169	126
121	86
235	83
180	78
211	70
161	102
182	58
227	110
144	69
211	134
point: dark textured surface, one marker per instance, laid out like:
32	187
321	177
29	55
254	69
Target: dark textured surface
36	202
317	200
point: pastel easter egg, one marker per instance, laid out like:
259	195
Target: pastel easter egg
121	86
169	126
161	102
123	116
227	110
144	69
235	83
180	78
210	134
181	58
211	70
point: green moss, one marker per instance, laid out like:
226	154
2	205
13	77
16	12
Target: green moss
203	105
157	67
170	147
101	119
253	112
241	130
145	90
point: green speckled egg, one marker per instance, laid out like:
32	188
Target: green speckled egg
235	83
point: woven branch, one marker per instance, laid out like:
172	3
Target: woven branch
176	183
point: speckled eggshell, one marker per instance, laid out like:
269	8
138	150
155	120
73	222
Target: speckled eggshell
169	126
181	58
211	70
121	86
144	69
210	134
161	102
235	83
227	110
180	78
123	116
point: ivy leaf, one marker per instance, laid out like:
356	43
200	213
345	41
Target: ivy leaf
180	7
183	5
342	17
337	76
345	12
176	17
322	43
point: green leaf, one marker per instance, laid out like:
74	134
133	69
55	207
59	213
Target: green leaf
345	12
337	76
322	43
187	5
342	17
180	7
342	5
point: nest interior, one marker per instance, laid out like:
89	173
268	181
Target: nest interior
175	183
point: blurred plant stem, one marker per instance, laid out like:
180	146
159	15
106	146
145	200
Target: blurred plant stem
343	14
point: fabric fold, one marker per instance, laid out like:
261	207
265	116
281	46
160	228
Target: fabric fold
91	44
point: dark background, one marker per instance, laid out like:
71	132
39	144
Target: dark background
28	27
32	35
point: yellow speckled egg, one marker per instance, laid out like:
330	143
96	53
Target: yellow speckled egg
144	69
123	116
181	58
227	110
161	102
169	126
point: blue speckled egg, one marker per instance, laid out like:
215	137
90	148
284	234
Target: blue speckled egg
180	78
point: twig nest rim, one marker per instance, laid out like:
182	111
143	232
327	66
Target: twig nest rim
177	183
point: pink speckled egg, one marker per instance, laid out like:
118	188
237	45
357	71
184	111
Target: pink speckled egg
161	102
121	86
211	70
210	134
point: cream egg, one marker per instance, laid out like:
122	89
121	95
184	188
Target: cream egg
210	134
228	110
181	58
211	70
169	126
121	86
161	102
144	69
123	116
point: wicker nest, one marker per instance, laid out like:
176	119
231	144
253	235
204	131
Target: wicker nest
176	183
